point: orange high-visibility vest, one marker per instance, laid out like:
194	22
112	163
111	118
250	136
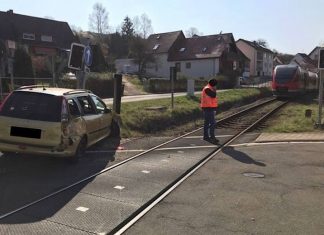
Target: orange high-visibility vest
207	101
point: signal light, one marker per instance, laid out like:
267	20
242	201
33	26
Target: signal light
321	59
76	56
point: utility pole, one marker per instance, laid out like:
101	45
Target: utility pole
320	89
173	74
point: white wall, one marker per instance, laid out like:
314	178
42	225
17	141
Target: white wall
267	63
251	53
161	67
199	68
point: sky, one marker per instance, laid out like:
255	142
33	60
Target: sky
288	26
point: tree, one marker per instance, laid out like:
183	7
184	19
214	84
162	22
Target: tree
139	53
142	26
22	64
127	28
262	42
98	19
192	31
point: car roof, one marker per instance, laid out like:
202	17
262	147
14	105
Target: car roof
56	91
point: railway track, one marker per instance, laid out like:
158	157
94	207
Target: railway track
240	123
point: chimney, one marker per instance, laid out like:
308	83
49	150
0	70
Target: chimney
10	11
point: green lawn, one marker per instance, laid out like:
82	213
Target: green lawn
292	119
155	117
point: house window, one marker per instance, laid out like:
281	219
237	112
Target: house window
29	36
178	66
156	47
46	38
188	65
182	49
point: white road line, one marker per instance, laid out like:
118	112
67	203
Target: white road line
275	143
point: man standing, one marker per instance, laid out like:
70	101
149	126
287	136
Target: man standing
209	103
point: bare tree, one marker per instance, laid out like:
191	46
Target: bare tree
146	26
192	31
143	26
98	19
262	42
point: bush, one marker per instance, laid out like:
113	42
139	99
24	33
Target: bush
101	84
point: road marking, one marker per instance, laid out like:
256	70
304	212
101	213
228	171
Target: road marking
81	208
160	149
115	151
200	136
119	187
275	143
146	172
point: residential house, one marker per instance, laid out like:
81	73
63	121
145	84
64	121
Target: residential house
261	58
314	54
197	57
277	61
161	45
305	62
39	36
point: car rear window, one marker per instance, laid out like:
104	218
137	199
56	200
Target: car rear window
33	106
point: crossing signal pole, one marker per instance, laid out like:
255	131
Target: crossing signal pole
320	89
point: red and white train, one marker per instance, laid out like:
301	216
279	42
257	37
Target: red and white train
290	80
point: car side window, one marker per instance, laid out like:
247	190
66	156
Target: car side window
73	108
100	105
86	105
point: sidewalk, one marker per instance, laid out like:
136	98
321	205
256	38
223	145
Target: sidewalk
226	196
290	137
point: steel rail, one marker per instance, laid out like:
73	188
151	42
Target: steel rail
127	160
120	229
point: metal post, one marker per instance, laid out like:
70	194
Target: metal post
173	74
10	70
53	69
117	92
320	100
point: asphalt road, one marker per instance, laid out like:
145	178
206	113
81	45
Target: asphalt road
220	199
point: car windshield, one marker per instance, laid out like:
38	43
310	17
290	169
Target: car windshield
33	106
285	74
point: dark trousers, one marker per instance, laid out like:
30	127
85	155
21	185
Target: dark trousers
209	123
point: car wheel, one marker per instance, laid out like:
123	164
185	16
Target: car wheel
79	151
114	129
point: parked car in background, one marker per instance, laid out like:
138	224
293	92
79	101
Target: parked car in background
53	121
243	80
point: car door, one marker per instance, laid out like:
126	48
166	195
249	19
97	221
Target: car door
91	117
104	115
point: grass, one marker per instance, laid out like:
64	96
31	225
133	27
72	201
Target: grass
157	117
292	119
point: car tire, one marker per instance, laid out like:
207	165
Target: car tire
114	129
79	151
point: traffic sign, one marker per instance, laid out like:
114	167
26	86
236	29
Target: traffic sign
88	56
76	56
321	59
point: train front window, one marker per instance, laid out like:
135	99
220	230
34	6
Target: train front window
283	75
